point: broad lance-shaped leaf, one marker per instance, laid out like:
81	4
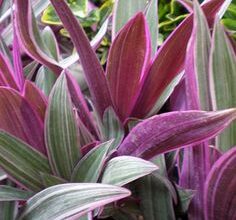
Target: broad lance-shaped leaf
29	35
223	78
61	131
125	169
6	73
81	105
220	188
36	98
170	131
197	64
21	162
126	65
9	193
90	166
169	60
26	124
93	70
67	200
197	159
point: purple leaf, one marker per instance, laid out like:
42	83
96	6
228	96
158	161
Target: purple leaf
6	73
36	98
169	61
220	188
94	72
170	131
80	104
29	38
18	68
187	4
128	58
19	119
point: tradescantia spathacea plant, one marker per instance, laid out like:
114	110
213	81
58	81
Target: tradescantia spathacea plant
110	153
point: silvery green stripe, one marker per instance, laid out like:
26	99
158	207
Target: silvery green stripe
21	162
66	200
125	169
61	130
223	81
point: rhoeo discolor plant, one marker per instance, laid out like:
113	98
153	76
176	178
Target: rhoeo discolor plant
146	133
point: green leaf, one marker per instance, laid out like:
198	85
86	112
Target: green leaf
90	166
61	130
9	193
78	7
185	197
50	180
22	162
112	128
124	10
125	169
50	41
155	198
8	210
152	19
45	79
223	78
66	200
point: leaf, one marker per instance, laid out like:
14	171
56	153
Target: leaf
131	45
123	11
90	166
155	198
26	124
6	73
51	42
45	79
21	162
169	60
61	130
223	60
36	98
8	210
81	105
125	169
169	131
152	20
220	188
29	36
66	200
50	180
93	71
9	193
198	94
112	128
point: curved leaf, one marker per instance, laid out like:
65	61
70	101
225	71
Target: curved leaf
169	131
131	45
90	166
21	162
61	131
125	169
220	188
63	201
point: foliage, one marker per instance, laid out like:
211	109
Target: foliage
146	132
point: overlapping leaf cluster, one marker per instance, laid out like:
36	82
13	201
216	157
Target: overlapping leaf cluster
110	151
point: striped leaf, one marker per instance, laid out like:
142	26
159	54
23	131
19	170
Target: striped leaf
61	130
9	193
220	188
90	166
223	78
125	169
21	162
66	200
